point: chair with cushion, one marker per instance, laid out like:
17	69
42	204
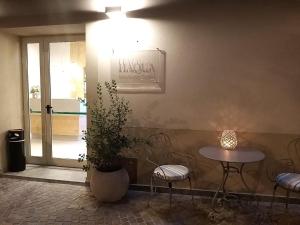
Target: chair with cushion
169	173
290	181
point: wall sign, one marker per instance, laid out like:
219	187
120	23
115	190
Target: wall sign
139	71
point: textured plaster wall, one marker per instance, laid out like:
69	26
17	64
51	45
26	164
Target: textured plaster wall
228	66
11	110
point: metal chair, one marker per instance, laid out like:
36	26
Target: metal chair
169	173
290	181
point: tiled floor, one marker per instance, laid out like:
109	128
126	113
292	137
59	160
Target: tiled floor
51	173
31	202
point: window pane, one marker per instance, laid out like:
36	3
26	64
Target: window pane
67	74
33	56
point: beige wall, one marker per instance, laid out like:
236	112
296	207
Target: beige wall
233	66
11	110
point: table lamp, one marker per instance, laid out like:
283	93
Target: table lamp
228	140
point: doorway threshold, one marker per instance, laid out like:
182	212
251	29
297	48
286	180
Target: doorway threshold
52	174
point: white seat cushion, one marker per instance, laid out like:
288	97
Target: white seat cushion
171	172
289	181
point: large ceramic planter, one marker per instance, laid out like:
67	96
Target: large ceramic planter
109	186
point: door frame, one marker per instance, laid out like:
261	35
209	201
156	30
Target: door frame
44	42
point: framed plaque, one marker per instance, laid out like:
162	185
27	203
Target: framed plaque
139	71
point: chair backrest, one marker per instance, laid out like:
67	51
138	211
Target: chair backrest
281	166
293	149
286	165
162	151
161	144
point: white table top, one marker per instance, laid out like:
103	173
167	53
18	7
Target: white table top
239	155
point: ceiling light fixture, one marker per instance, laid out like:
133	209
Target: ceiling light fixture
114	12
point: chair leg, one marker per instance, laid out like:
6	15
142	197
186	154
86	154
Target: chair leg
151	189
191	192
170	193
151	185
273	196
287	199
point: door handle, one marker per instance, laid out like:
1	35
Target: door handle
49	109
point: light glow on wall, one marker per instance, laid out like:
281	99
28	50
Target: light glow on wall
123	35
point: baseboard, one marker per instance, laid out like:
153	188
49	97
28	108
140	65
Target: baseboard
162	189
210	193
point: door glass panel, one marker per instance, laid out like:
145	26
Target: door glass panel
68	98
34	84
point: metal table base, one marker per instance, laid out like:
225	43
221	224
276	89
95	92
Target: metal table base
227	169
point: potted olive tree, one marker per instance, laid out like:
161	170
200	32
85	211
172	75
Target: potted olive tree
105	139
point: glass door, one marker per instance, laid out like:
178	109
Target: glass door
67	99
56	102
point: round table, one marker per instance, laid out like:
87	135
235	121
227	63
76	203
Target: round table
226	158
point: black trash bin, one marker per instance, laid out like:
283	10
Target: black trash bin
16	154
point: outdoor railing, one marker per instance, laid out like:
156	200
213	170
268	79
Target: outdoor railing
60	113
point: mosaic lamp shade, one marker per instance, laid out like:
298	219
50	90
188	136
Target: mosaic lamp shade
228	140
